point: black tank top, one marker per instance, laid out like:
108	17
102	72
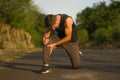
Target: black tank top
61	30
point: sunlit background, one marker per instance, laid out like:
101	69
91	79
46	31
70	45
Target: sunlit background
71	7
22	22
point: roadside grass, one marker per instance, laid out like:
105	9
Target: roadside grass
7	56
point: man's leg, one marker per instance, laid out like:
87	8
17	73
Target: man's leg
72	49
47	54
46	50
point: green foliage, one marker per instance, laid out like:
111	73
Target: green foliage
103	35
22	14
116	33
102	22
83	37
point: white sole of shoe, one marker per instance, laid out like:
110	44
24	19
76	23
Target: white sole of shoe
47	71
80	53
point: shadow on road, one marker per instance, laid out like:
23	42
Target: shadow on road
90	60
21	66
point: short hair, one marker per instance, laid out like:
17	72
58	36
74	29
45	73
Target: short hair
50	20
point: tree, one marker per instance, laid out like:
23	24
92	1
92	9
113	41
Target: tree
102	22
22	14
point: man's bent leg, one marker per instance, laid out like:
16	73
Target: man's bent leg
46	55
72	49
46	50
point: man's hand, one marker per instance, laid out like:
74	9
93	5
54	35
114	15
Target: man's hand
51	46
45	41
46	37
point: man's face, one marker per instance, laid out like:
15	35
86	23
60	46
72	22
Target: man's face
54	26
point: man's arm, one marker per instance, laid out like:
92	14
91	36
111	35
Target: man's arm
47	33
68	32
46	36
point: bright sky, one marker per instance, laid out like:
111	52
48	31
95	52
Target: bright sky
70	7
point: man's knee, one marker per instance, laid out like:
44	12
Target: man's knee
76	64
76	67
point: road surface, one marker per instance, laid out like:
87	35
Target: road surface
95	65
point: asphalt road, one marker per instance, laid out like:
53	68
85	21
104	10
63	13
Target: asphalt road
95	65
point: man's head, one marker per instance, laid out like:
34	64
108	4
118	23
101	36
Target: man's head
50	20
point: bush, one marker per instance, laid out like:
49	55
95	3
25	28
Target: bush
103	35
22	14
83	37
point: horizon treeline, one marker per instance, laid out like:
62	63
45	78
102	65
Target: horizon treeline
98	26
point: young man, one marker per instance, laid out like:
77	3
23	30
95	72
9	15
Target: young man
66	36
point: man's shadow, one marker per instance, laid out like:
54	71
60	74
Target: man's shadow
21	66
25	66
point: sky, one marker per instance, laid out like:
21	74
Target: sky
70	7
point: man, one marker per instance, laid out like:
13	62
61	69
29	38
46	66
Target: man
66	36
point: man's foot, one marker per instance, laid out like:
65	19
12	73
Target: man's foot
45	69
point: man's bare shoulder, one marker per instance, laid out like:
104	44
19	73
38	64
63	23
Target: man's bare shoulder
69	21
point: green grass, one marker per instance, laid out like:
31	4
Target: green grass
7	56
